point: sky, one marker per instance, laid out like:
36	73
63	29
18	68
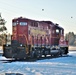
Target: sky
62	12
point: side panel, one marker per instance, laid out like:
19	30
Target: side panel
39	33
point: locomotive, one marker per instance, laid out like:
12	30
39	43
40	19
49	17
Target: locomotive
34	39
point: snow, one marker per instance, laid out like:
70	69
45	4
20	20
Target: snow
65	65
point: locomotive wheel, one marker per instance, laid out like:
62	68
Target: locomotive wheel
39	55
66	50
32	54
45	55
61	52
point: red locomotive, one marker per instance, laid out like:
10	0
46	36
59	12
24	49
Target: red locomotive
32	38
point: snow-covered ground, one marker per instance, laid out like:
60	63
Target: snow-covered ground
55	66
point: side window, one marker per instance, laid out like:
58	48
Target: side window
57	31
23	23
34	24
61	32
14	23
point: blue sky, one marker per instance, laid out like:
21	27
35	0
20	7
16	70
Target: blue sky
58	11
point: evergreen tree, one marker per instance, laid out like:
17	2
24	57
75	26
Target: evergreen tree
3	29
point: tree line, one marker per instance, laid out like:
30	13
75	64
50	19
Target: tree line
71	38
